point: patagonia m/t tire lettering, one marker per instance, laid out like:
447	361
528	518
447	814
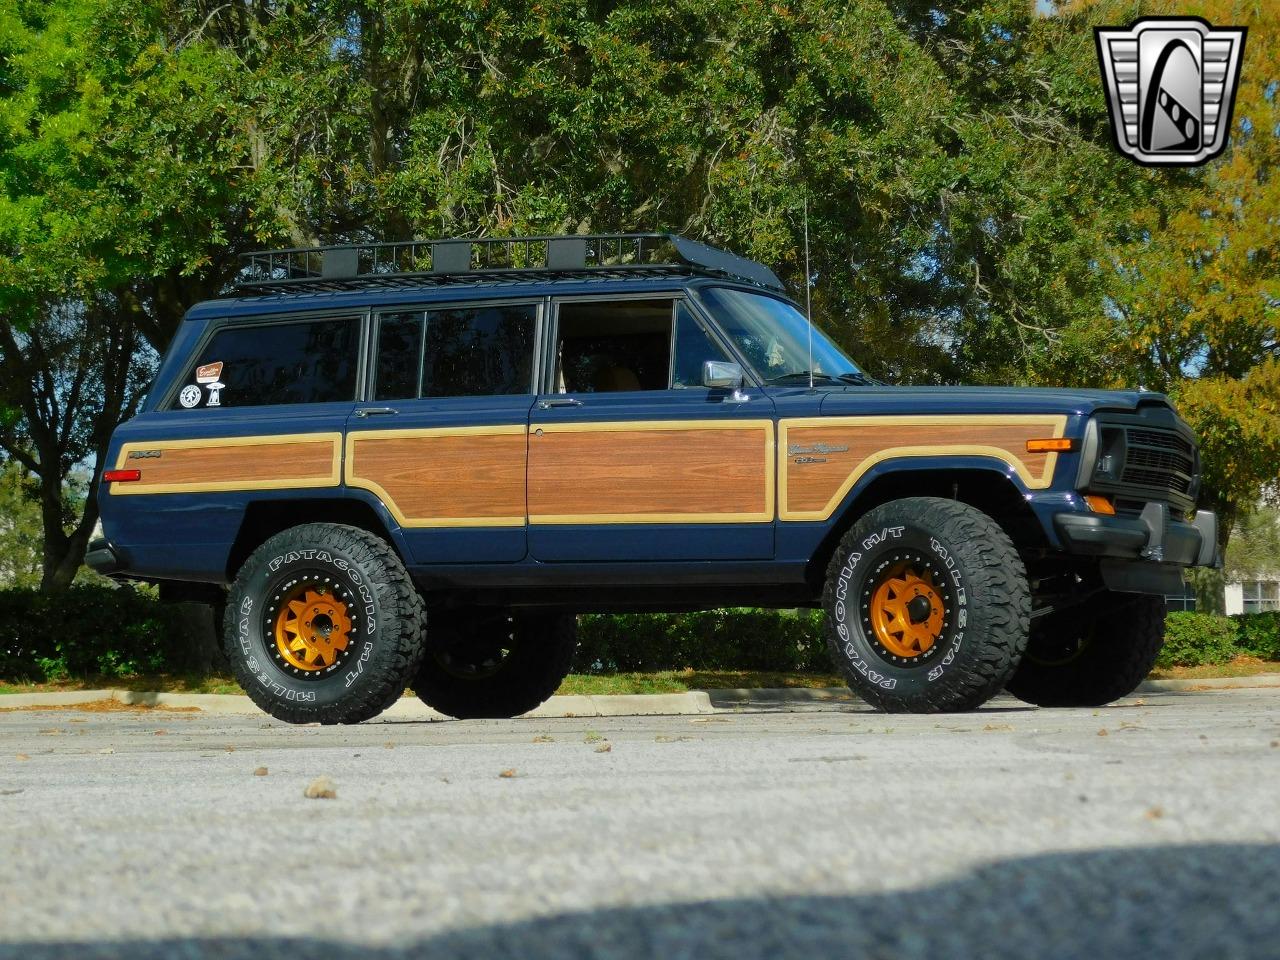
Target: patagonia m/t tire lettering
927	606
324	625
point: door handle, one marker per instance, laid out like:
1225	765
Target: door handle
375	411
558	402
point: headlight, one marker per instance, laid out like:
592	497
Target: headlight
1110	463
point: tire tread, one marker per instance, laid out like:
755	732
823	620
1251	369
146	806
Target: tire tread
397	597
995	578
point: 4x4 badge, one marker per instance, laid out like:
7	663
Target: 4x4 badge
1171	86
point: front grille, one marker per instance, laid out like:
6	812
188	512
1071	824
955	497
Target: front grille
1159	462
1161	438
1156	478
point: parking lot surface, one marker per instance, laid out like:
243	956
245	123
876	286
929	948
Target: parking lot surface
1148	828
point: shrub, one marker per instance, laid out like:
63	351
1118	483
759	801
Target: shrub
1259	634
1195	639
733	639
87	630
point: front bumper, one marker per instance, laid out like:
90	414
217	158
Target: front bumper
1151	536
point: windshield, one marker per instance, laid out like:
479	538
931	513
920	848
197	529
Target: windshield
773	336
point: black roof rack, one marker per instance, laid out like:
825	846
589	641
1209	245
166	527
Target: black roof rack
418	262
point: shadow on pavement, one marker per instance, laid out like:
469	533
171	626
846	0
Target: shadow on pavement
1214	902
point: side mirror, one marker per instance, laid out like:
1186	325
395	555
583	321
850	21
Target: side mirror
722	375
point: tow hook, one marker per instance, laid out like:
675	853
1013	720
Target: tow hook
1154	516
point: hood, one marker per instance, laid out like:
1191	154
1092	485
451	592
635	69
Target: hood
851	401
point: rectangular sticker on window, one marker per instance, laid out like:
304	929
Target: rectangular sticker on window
209	373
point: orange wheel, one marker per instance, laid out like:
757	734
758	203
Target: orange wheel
905	608
312	627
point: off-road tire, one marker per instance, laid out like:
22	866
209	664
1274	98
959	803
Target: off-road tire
387	616
541	648
1091	654
986	600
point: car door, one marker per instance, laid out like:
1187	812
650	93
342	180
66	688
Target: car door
441	437
631	456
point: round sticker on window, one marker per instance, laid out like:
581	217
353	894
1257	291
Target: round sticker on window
190	396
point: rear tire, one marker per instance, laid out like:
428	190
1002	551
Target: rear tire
323	625
1091	654
494	664
927	606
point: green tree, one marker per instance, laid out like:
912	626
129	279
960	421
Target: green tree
21	536
1255	545
970	218
1192	284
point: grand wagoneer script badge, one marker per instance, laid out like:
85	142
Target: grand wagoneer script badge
805	454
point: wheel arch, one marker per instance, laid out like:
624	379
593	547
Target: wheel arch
985	484
266	517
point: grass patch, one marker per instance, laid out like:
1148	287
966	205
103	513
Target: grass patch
1239	667
154	683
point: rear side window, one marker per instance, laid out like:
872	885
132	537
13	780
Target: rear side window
311	361
475	351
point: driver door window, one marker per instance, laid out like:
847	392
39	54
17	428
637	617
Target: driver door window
630	345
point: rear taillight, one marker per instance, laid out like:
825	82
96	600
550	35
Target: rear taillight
121	476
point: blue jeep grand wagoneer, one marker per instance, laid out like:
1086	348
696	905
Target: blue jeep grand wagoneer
413	464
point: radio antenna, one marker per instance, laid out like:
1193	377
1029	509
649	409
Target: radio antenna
808	282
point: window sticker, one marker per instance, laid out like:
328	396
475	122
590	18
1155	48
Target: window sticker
190	396
210	375
209	372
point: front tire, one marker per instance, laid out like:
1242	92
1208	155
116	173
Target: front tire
1092	654
927	606
494	664
323	625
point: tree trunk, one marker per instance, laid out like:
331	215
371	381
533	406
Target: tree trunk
63	552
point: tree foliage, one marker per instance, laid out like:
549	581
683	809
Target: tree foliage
971	220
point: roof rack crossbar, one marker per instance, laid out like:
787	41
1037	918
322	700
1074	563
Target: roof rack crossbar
415	262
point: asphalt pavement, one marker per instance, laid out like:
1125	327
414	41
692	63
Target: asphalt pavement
1146	829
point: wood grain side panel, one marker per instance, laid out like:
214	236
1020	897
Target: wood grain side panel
811	490
653	474
443	479
231	463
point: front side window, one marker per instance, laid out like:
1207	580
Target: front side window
628	345
774	337
694	347
298	361
471	351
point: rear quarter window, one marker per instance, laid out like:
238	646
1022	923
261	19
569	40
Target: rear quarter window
264	364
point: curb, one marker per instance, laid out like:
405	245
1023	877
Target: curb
691	703
1210	683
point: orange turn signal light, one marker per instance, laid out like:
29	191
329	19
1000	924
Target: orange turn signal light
1051	445
121	476
1099	504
